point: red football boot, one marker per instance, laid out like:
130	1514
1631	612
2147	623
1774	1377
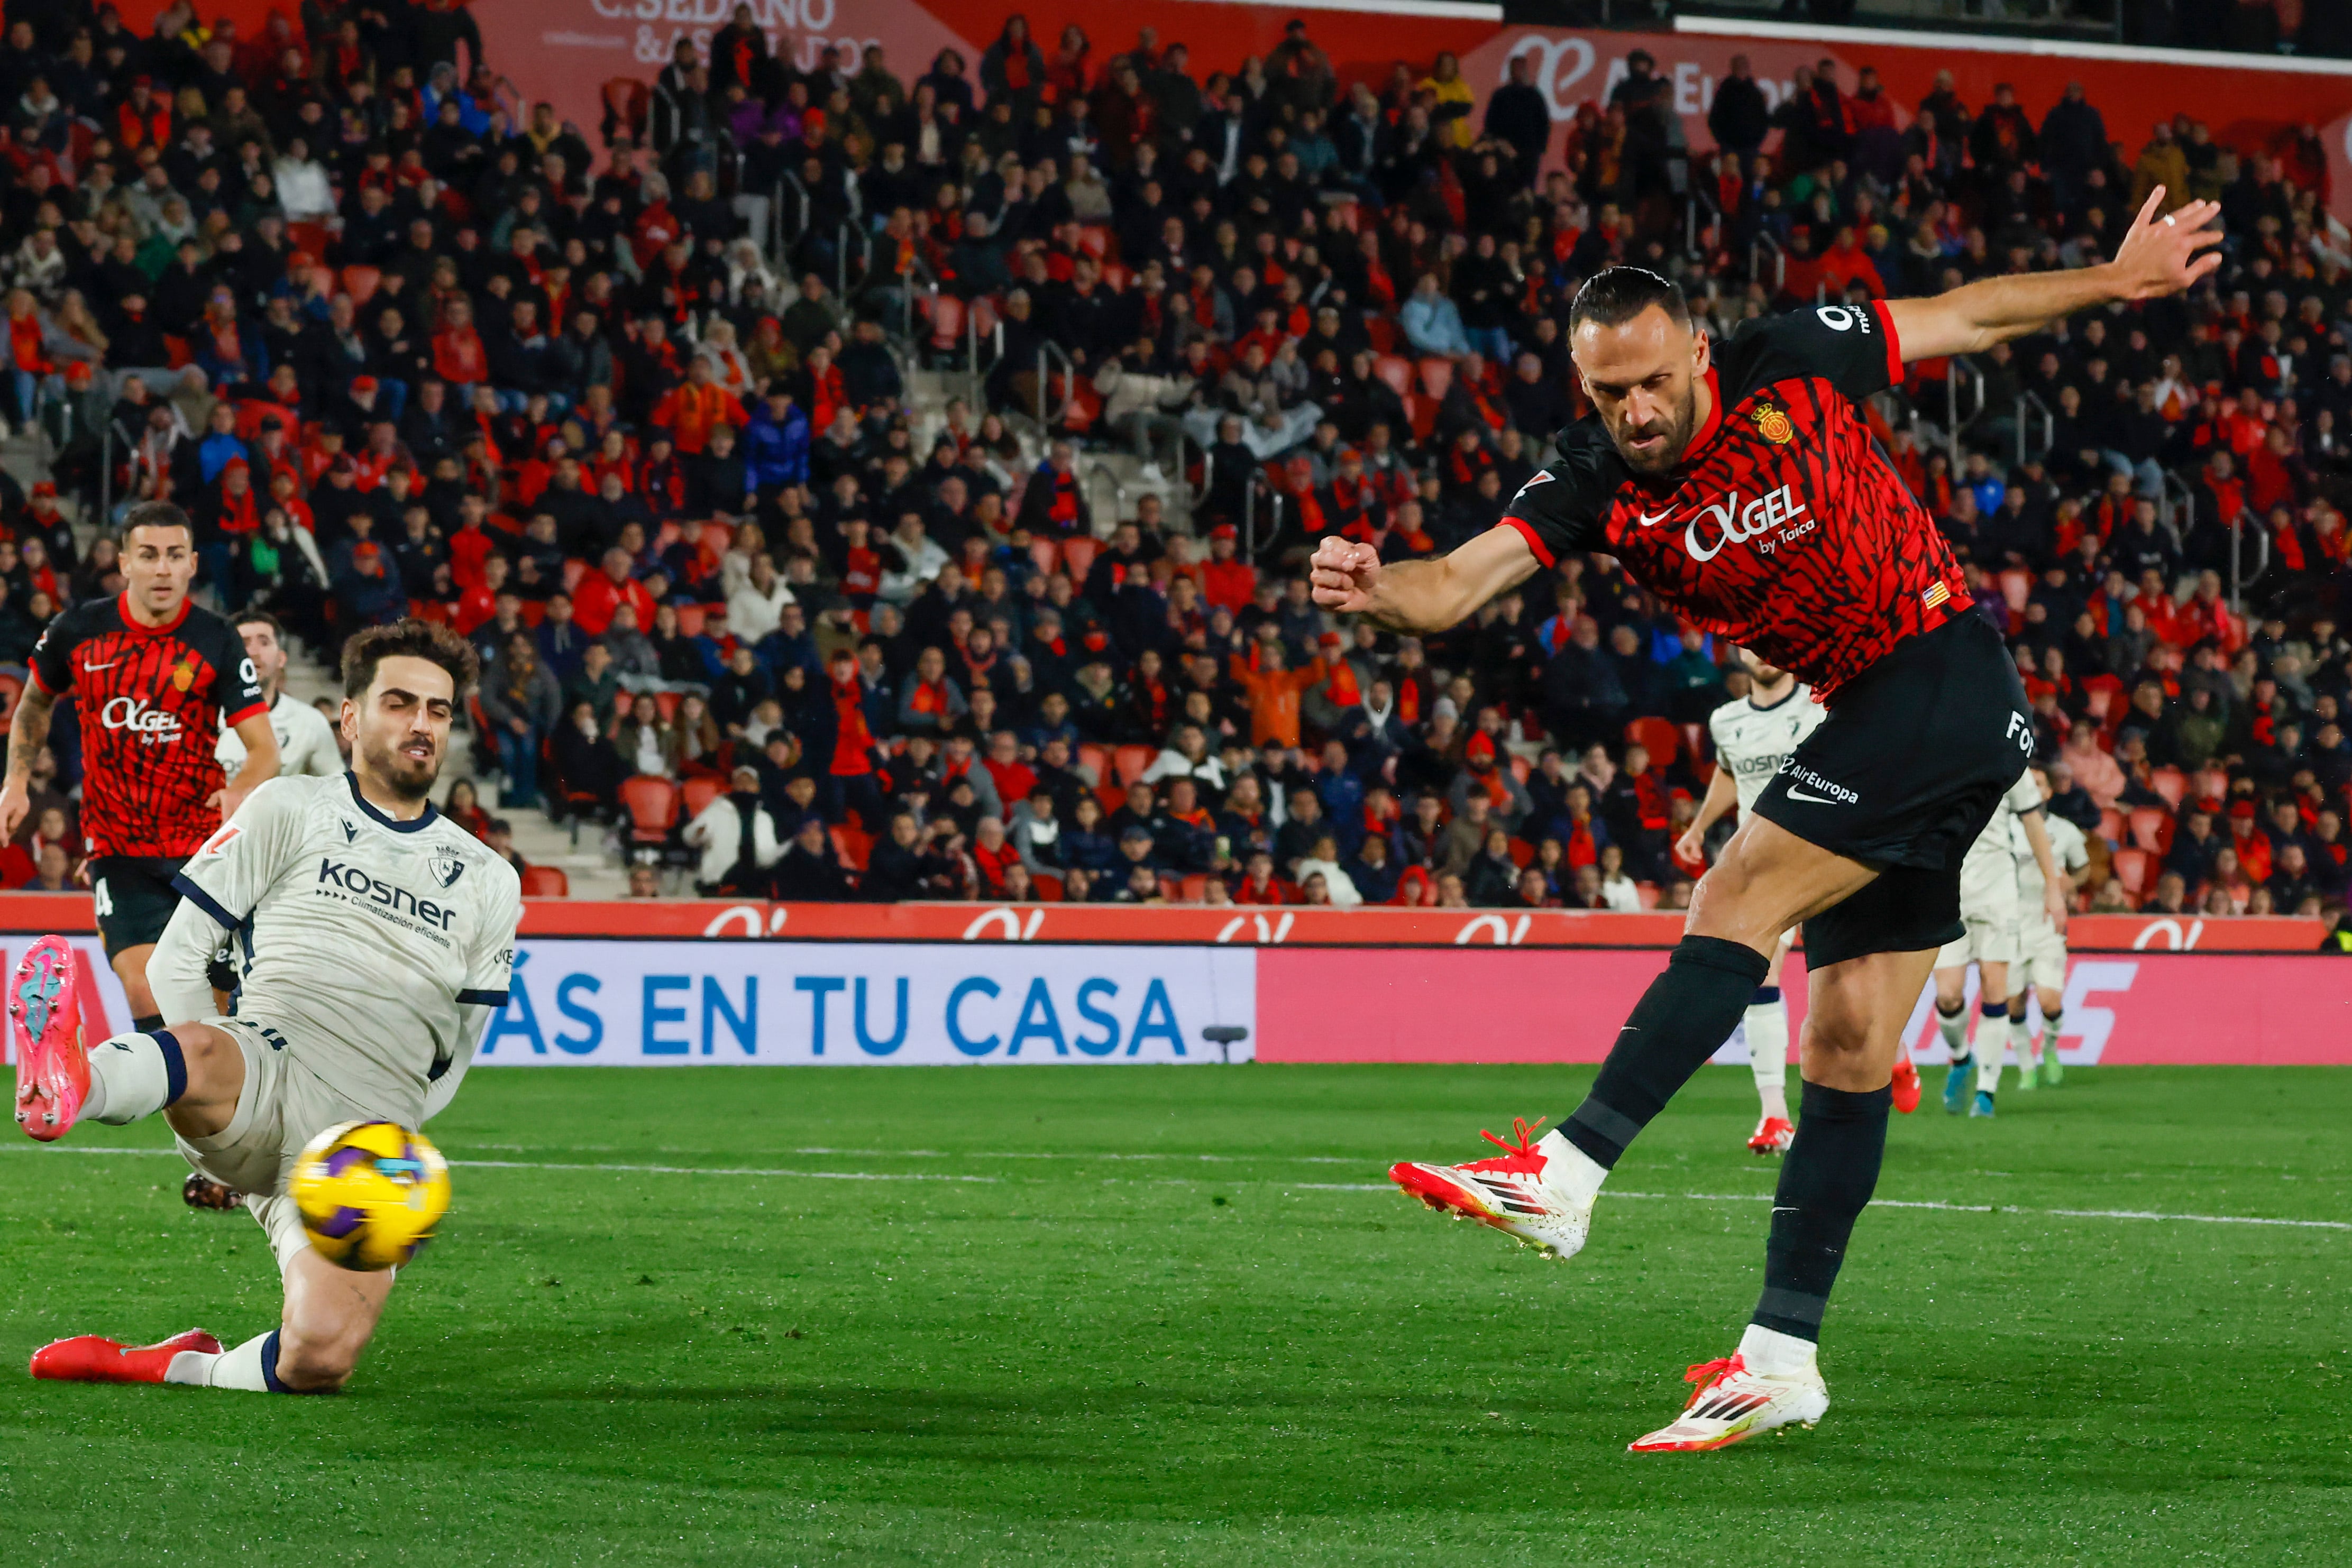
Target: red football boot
1907	1084
45	1025
89	1358
1773	1135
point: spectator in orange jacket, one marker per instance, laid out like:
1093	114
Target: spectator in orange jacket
691	411
1272	694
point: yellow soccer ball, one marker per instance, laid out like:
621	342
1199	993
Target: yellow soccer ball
369	1194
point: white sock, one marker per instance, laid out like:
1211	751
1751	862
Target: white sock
2050	1035
1571	1169
1955	1026
239	1368
1767	1023
2021	1040
1774	1354
129	1079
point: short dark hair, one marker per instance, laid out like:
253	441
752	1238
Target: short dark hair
156	515
409	639
261	618
1616	295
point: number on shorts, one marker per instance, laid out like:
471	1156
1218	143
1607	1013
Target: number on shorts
102	898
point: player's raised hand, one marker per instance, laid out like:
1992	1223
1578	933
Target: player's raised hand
2165	254
1344	574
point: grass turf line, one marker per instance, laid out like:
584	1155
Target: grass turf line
1231	1361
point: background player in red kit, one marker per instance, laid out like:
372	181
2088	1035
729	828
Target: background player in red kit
155	679
1738	483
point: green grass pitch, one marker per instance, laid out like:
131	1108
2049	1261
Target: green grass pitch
1166	1325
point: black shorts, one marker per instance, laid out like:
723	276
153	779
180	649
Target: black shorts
1902	776
135	898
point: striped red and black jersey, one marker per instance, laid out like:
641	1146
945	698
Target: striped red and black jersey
153	702
1786	528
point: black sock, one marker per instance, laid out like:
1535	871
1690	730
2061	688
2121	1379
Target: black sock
147	1023
1826	1180
1681	1021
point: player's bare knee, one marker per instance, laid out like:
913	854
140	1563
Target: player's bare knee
316	1365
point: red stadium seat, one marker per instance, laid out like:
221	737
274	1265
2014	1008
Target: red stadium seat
1131	761
666	703
545	882
697	793
2114	826
1048	887
2170	783
1522	853
1078	552
1195	887
1647	893
652	805
2136	869
360	281
1437	376
689	620
2151	830
1659	735
1097	758
852	846
1397	370
1045	554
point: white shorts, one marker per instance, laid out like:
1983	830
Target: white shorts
2040	958
1989	910
281	1108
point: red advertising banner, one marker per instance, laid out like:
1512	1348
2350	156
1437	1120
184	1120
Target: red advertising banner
1544	1007
34	914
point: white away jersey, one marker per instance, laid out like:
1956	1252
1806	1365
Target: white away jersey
306	745
1992	853
2067	847
373	946
1753	741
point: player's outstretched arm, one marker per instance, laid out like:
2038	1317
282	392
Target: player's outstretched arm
179	972
2159	256
1418	595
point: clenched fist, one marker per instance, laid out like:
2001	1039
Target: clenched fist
1344	574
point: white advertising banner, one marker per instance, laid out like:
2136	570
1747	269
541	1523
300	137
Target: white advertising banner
679	1004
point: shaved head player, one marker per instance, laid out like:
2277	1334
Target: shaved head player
1737	482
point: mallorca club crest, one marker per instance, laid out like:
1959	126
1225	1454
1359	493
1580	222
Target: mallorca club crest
445	868
183	676
1771	422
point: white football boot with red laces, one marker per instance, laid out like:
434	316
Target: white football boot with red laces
1732	1402
45	1024
1520	1191
1773	1135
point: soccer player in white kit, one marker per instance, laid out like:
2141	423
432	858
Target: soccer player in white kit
2040	945
1989	911
305	743
375	939
1753	737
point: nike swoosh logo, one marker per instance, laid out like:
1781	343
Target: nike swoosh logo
1817	799
93	669
1650	522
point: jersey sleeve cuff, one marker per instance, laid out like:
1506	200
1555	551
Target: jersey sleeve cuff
251	710
33	670
1526	530
479	998
1894	342
206	902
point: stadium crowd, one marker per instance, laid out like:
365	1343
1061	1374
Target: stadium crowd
403	344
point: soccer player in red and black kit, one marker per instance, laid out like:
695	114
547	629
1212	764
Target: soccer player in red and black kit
154	680
1738	483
